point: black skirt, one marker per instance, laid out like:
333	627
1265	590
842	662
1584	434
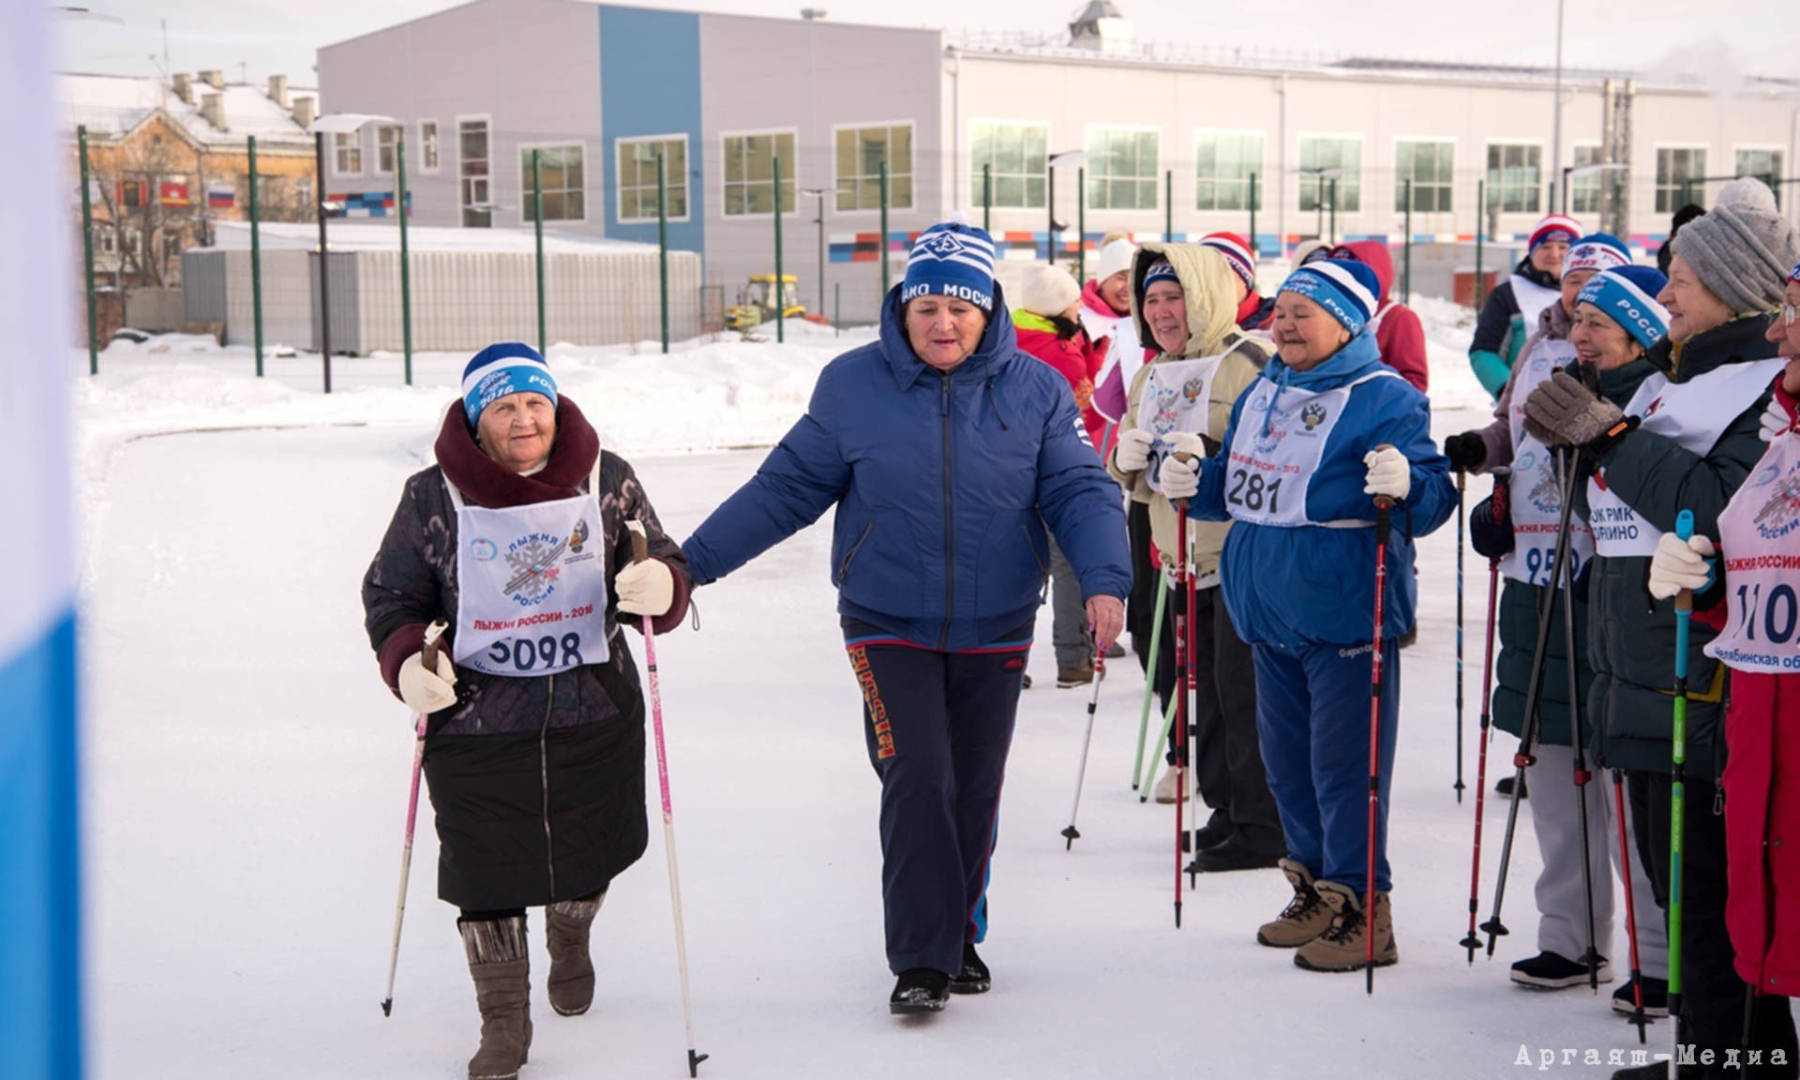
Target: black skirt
532	818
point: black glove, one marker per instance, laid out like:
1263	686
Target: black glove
1490	526
1466	451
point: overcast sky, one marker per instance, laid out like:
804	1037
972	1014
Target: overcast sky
259	37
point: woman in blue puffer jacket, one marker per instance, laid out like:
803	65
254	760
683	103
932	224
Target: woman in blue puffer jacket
1324	428
948	453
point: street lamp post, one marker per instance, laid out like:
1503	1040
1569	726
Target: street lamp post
819	194
1067	157
332	124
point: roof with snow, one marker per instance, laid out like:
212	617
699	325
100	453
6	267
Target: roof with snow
112	105
368	236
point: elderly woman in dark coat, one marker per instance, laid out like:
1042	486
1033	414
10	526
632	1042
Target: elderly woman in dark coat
535	743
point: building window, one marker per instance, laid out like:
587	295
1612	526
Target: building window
428	146
1324	159
750	172
1584	188
106	240
1016	158
1224	162
347	146
472	173
1427	163
131	194
1679	170
386	136
1121	169
1515	176
562	176
134	244
860	152
1765	165
637	176
303	197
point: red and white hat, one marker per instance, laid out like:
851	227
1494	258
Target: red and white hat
1237	252
1553	225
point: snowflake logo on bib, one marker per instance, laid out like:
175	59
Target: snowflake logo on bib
533	558
1313	415
1781	514
1545	494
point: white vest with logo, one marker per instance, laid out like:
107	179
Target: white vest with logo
1532	299
1274	455
1535	496
531	582
1759	534
1175	397
1693	414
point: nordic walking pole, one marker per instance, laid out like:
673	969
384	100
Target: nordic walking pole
1567	479
1471	941
1182	660
429	655
1460	514
1190	693
1384	507
1162	739
1637	975
1582	775
640	550
1162	599
1072	834
1684	609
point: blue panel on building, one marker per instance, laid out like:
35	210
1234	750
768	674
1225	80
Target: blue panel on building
650	85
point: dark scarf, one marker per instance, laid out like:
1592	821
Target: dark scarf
485	482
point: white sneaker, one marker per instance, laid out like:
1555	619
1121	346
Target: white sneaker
1165	788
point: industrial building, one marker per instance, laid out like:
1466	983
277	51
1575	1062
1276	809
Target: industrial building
1159	138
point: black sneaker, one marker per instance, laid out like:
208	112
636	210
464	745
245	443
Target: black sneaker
1235	855
919	990
974	977
1552	971
1656	997
1216	831
1504	788
1025	682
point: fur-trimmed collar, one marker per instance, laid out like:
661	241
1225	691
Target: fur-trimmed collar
485	482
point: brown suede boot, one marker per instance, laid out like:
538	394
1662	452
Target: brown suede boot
571	980
500	965
1343	946
1305	917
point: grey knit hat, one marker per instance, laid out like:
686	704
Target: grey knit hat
1742	248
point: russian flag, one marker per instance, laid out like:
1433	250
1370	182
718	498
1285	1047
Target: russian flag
40	902
220	196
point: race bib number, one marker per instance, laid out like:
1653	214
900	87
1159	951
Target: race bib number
1175	397
1760	536
532	588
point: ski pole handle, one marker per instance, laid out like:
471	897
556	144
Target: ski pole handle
428	652
1684	531
640	541
1384	508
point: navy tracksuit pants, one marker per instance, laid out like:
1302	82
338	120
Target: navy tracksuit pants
1312	717
938	726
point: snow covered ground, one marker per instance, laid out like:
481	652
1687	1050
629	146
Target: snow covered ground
246	776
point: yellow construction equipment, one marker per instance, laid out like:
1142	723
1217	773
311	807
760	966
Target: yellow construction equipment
756	302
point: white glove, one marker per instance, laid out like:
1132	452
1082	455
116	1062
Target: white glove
1680	564
645	588
1775	420
1389	473
1133	451
1185	442
1179	479
426	692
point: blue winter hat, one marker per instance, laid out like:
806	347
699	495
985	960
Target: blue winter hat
951	259
509	367
1597	251
1627	296
1160	270
1345	288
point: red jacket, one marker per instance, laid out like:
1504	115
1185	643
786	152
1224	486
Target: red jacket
1077	358
1762	816
1398	332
